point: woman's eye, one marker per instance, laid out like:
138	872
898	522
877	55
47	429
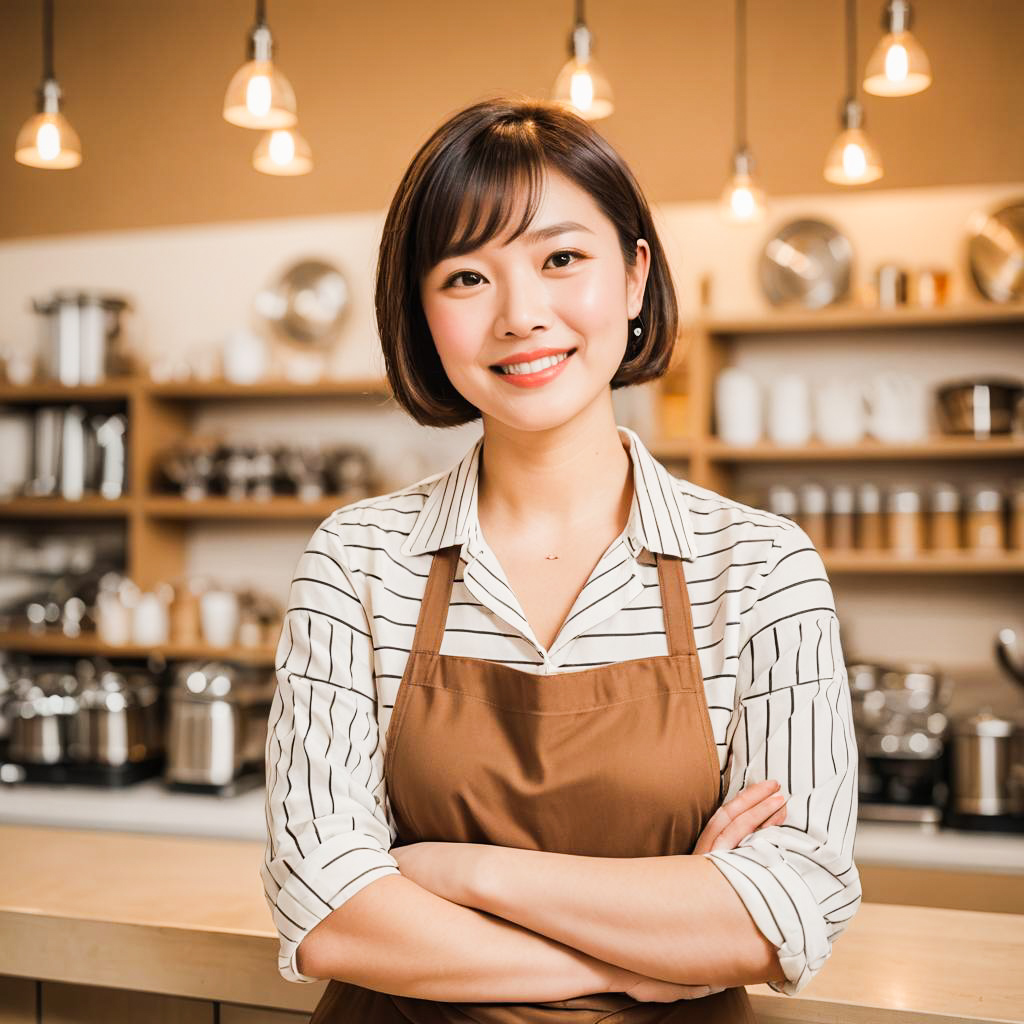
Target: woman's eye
566	252
462	273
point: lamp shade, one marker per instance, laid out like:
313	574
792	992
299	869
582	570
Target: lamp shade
581	86
259	96
47	140
898	66
853	159
283	151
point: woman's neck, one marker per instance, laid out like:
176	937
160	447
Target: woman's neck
555	483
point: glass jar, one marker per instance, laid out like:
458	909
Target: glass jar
984	518
840	532
869	532
906	526
813	513
945	532
782	501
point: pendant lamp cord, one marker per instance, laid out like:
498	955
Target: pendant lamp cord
261	12
47	40
741	75
579	12
851	49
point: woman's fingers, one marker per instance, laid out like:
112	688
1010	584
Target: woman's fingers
746	801
770	810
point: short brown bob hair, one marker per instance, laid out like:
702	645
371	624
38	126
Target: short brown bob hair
471	171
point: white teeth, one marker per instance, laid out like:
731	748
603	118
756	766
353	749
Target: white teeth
536	365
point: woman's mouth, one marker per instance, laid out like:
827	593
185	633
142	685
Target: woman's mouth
535	373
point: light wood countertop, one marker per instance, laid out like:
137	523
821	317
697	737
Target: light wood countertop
187	916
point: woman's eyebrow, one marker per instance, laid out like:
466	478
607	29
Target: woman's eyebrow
540	234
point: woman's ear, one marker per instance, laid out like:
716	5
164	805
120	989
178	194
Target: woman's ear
636	279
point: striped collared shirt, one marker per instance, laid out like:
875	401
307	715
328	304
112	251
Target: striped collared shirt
767	638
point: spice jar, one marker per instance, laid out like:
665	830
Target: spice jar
906	533
1016	500
945	518
869	532
984	518
813	511
840	527
782	501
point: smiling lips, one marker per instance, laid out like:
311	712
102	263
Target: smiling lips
535	370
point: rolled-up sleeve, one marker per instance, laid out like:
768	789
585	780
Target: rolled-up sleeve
328	834
793	723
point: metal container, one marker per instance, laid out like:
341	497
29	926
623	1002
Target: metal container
79	330
118	721
988	759
980	407
40	713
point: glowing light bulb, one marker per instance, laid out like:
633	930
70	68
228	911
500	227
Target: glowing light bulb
742	203
258	95
897	63
282	148
581	89
48	141
855	163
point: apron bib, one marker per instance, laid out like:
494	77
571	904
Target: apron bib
614	761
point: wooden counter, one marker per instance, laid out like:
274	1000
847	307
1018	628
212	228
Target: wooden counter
187	917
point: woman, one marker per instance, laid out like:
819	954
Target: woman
452	834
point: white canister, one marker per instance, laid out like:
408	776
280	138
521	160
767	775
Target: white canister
218	616
151	621
789	410
840	411
245	356
739	416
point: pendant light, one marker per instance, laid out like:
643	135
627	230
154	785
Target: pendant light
898	65
853	159
283	151
47	139
742	201
581	84
259	96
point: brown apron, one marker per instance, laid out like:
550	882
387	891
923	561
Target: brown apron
614	761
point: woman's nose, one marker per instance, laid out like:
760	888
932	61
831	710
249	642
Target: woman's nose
523	308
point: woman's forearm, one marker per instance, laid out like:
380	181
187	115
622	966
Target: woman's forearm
394	936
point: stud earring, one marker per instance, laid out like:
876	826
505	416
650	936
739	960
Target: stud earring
637	331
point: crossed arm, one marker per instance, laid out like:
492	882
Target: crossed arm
673	918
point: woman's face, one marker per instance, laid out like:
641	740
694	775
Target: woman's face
561	286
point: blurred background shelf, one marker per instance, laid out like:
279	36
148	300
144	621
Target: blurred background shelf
89	644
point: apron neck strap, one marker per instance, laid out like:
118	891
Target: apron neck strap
434	609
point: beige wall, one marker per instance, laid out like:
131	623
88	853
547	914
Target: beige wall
144	80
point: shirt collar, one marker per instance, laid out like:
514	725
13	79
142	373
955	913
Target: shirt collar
659	519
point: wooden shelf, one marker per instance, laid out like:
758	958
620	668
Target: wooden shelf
121	388
24	641
869	450
852	317
197	391
928	562
219	507
88	507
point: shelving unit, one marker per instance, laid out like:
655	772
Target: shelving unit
156	524
706	349
161	413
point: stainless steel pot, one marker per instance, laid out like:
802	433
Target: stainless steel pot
79	329
982	407
988	765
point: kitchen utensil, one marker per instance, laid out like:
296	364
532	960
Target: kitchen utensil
218	614
981	407
995	252
16	444
931	287
307	305
1010	654
807	263
245	356
738	407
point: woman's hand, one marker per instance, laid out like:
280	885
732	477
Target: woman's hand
650	990
752	808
